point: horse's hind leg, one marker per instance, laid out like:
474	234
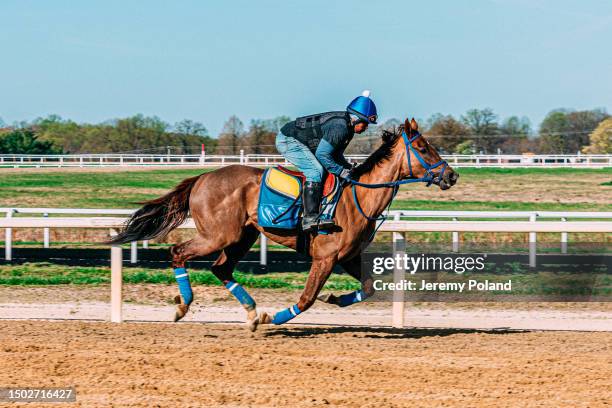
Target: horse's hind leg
353	268
223	269
199	246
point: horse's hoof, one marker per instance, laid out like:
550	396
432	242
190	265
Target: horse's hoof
265	318
181	309
253	323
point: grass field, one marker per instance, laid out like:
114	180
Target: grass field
552	189
49	274
478	189
524	282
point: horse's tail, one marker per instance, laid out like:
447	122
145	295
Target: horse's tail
156	218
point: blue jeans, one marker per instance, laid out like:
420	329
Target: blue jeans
300	156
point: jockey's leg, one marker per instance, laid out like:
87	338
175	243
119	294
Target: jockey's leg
353	268
223	269
319	273
301	157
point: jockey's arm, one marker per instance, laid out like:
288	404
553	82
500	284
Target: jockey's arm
326	155
340	159
331	148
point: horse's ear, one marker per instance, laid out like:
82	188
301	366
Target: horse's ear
407	125
413	124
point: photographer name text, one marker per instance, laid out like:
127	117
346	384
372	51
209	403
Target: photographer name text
427	286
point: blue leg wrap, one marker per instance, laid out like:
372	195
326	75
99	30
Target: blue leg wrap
351	298
243	297
286	314
182	278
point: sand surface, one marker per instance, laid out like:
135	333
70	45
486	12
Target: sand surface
193	365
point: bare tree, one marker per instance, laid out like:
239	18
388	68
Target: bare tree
484	128
232	135
446	132
260	138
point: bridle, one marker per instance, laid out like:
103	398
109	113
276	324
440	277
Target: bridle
429	177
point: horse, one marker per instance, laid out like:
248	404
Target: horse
223	204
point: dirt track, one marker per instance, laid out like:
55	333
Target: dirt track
147	365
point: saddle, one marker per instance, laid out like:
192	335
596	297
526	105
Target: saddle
280	197
328	186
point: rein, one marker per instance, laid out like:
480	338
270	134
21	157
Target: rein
428	178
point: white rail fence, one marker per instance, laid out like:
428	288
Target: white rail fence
205	160
398	227
455	216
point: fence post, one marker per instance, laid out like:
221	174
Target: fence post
263	251
455	239
241	156
532	243
564	239
133	252
399	248
116	282
145	244
46	234
8	238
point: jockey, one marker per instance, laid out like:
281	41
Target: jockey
316	143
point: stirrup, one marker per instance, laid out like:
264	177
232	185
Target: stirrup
311	225
325	223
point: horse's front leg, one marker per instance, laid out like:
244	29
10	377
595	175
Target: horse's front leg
353	268
319	272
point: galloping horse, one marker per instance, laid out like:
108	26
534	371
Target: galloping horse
223	204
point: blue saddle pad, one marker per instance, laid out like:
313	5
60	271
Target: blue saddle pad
277	210
280	206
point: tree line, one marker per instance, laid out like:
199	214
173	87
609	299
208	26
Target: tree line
476	131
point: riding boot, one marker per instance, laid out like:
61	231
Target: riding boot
312	203
311	198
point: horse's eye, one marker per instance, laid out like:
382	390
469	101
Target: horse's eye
423	150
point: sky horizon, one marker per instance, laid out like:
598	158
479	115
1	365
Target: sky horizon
92	62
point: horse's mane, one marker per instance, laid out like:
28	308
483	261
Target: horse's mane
380	155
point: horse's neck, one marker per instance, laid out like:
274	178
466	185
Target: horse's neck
375	201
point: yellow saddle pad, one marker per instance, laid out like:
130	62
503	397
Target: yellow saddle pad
282	183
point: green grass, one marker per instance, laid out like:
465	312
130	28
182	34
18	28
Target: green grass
121	189
87	189
524	283
137	179
48	274
496	206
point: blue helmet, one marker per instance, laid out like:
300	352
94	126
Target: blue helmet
363	107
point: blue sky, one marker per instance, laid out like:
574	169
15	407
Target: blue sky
206	60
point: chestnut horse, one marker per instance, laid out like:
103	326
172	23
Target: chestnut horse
223	204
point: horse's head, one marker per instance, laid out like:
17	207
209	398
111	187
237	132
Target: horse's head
421	159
